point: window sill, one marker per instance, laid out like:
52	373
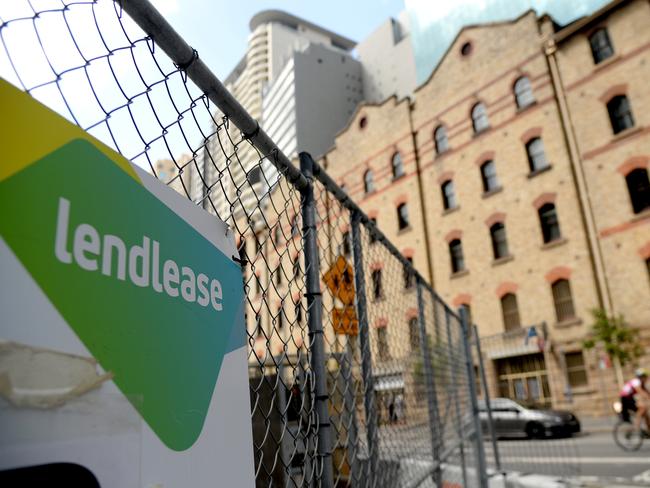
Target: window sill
642	215
539	171
447	211
404	230
568	323
481	132
555	243
606	62
398	177
527	107
440	155
487	194
459	274
630	131
503	260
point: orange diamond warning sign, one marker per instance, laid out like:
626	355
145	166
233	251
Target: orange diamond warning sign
339	279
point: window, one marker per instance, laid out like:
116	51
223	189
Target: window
277	234
601	46
258	243
440	138
347	248
448	195
575	369
294	226
377	291
373	239
298	312
278	275
409	275
620	113
489	176
549	223
258	285
479	118
368	184
562	300
397	165
510	311
363	122
382	344
258	325
280	318
466	49
242	251
296	268
536	156
524	92
414	334
402	216
639	188
499	241
456	255
468	314
254	176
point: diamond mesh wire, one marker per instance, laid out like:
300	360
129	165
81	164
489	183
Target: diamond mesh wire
397	382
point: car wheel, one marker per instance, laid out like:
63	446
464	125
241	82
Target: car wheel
534	430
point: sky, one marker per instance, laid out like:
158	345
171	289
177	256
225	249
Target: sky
218	29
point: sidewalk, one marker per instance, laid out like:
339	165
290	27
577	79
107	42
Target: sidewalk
517	480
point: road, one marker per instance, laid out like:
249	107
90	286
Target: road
587	454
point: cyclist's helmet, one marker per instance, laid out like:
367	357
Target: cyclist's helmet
641	373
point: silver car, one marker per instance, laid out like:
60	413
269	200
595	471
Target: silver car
512	419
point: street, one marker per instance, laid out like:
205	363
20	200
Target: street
587	454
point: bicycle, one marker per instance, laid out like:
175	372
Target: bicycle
626	435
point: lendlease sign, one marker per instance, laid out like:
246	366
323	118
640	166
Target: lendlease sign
103	264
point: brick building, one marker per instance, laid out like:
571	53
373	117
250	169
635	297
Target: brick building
517	181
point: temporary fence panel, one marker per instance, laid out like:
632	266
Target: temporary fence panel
360	375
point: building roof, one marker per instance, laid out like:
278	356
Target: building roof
282	17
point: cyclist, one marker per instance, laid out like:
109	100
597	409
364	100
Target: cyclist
635	397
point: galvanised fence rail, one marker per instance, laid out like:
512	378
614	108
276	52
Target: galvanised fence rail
360	375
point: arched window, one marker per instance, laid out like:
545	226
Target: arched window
524	92
480	120
409	275
489	176
510	312
601	46
382	344
448	195
549	223
414	334
296	268
397	165
620	113
456	255
499	241
277	234
440	138
280	317
377	289
562	300
294	226
258	325
638	187
373	239
368	183
402	216
347	248
298	313
536	155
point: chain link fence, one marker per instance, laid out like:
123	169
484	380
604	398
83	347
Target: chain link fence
360	375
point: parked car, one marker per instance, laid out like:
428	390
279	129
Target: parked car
512	419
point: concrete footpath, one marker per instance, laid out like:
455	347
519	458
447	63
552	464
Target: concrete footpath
518	480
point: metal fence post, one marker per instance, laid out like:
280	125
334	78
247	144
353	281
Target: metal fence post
488	406
432	400
453	371
481	467
366	359
315	323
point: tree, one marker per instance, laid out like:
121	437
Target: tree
620	342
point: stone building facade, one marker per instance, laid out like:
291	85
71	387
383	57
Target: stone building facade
524	169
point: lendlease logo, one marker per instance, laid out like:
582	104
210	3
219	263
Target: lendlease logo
109	255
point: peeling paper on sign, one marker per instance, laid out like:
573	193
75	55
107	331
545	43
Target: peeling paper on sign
43	378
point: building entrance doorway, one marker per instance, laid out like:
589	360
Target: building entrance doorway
524	379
